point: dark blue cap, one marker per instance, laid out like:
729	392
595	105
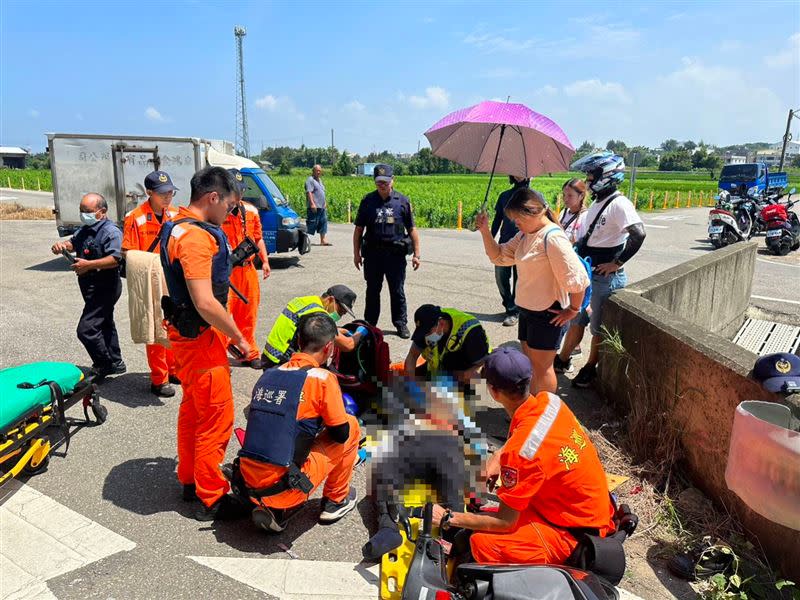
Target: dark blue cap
425	318
778	372
237	176
383	171
159	182
506	367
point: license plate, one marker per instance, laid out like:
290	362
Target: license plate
715	229
774	233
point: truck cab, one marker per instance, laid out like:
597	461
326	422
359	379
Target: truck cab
751	179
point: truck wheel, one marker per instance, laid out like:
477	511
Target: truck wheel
782	249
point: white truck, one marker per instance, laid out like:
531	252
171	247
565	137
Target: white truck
115	166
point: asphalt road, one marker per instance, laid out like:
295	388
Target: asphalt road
121	474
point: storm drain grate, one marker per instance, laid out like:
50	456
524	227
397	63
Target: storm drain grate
766	337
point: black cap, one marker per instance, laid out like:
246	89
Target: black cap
237	176
344	296
506	367
778	372
383	172
425	319
159	182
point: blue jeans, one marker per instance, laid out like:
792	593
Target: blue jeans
317	221
504	276
602	287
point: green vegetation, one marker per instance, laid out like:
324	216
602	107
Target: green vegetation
28	179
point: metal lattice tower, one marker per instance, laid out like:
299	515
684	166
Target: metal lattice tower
242	139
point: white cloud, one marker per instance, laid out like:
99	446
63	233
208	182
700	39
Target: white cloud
435	97
547	90
152	114
595	89
489	42
33	113
354	106
786	57
281	105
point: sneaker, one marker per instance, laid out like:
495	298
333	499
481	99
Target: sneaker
585	376
702	560
189	493
226	508
403	332
510	320
118	368
333	511
268	519
562	366
173	379
165	390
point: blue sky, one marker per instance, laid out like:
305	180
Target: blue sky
381	73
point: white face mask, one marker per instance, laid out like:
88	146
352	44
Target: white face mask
89	218
433	338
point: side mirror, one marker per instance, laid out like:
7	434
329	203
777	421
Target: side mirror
716	197
792	191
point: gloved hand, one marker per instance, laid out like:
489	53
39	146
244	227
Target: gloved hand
362	330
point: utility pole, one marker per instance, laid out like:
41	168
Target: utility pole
787	136
242	139
332	144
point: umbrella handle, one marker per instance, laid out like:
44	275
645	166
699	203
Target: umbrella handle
491	177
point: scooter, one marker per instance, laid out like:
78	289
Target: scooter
729	221
430	576
783	227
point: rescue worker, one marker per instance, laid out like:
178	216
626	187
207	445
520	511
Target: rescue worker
98	249
337	301
141	232
299	435
552	481
244	222
390	235
195	258
451	342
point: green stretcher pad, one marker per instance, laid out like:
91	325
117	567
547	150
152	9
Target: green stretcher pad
15	402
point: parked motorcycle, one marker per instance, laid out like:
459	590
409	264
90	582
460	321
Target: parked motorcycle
783	226
730	220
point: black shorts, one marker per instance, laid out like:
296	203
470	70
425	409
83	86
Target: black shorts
534	328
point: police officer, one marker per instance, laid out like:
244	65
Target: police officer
98	248
390	234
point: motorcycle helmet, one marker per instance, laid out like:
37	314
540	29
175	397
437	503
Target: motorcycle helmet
724	201
606	168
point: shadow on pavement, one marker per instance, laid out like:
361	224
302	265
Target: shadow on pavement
146	486
132	390
489	317
284	262
53	265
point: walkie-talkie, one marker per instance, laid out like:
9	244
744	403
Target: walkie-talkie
66	254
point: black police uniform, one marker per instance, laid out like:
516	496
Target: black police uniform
388	224
100	291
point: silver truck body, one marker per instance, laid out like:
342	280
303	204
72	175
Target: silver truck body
116	166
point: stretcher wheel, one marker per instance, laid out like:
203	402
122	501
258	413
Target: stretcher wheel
39	460
100	412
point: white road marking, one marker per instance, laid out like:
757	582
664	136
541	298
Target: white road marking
43	539
307	579
647	224
775	299
779	264
669	217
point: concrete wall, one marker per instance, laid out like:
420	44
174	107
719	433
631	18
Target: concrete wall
693	378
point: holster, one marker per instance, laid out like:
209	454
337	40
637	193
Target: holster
183	317
294	479
243	252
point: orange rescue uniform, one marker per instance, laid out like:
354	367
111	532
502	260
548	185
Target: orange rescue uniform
327	461
205	417
245	278
140	231
551	474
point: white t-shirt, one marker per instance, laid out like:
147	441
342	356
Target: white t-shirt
610	230
575	226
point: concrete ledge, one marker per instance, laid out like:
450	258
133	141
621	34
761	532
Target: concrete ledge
692	379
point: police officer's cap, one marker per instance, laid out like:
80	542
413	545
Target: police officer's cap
779	372
239	179
344	296
159	182
425	319
506	367
383	172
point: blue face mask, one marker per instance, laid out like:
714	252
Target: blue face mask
89	218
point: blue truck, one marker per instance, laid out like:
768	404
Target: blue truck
116	166
751	179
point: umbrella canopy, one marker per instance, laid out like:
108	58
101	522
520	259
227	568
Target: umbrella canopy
531	144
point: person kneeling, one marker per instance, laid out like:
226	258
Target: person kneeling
299	435
552	482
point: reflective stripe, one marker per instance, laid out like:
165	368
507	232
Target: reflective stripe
273	352
294	317
177	231
542	428
458	338
141	220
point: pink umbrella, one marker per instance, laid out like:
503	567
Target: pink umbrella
501	137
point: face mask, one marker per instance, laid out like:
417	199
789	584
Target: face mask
433	338
89	218
335	316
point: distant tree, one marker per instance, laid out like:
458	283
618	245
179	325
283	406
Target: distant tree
285	168
38	161
647	161
670	145
679	160
617	147
713	162
689	145
585	148
796	161
343	166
